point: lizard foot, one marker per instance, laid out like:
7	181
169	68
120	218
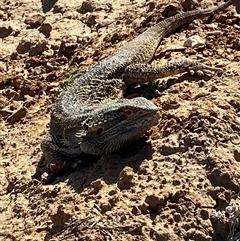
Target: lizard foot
202	69
56	161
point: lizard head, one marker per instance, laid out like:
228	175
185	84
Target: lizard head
117	124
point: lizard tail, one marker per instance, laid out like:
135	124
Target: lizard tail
169	24
146	43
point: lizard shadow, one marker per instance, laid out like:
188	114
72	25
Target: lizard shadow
48	5
107	168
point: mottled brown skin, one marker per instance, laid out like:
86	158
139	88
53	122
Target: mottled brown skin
91	115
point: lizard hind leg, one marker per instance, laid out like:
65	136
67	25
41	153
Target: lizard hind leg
143	73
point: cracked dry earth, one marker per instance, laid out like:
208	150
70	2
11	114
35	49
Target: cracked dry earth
164	187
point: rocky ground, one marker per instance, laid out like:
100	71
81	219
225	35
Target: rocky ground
176	185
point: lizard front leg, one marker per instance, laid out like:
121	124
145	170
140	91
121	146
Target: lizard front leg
142	73
53	149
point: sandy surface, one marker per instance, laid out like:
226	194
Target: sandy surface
164	188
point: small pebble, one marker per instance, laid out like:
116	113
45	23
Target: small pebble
194	41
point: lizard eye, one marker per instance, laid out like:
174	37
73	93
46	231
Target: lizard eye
100	131
128	112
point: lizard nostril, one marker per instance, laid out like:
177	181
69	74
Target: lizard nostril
128	112
100	131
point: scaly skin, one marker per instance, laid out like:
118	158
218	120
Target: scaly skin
92	116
